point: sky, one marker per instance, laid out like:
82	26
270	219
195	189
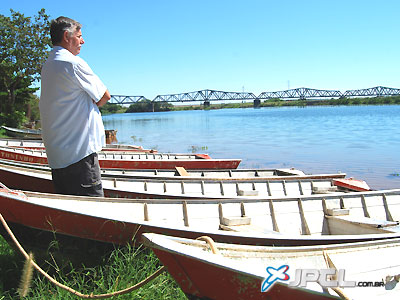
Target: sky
159	47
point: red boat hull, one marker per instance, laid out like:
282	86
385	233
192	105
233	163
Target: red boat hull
354	184
54	221
199	163
199	280
50	221
170	164
25	182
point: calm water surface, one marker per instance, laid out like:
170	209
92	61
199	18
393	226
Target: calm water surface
361	141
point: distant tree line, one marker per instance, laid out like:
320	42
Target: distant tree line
140	106
149	106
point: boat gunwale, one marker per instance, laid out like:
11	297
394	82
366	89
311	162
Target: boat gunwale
274	250
330	196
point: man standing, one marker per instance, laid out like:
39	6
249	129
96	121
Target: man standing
72	127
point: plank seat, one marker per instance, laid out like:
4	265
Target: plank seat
247	193
324	189
349	224
247	228
182	171
228	221
242	224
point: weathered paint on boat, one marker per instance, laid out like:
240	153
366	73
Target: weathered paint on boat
354	184
130	161
311	220
238	272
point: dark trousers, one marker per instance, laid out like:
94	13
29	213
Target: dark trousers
82	178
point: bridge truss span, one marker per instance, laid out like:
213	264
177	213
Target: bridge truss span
205	95
120	99
378	91
300	93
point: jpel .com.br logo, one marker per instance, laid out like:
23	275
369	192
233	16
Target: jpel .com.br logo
323	276
274	275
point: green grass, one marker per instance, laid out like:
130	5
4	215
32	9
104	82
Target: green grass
123	268
3	135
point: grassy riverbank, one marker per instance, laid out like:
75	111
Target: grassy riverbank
121	269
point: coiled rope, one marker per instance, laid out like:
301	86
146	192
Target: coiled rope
72	291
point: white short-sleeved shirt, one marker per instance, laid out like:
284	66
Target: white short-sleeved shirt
72	127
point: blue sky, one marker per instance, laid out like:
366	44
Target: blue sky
160	47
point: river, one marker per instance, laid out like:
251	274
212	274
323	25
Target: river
361	141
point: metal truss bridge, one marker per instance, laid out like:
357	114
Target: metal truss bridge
206	96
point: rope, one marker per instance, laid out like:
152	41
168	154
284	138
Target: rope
68	289
210	242
340	293
330	264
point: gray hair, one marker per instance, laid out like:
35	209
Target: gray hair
59	26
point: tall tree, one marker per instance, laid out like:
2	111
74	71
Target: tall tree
24	46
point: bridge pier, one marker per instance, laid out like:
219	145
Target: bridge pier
257	103
206	103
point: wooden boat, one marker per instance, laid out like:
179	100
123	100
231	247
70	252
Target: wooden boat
222	174
33	179
312	220
23	133
27	133
246	272
181	173
351	183
39	145
131	160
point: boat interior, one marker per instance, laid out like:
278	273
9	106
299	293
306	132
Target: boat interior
315	215
224	189
182	173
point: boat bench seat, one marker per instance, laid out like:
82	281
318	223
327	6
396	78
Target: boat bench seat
348	224
324	189
181	171
242	224
228	221
247	228
247	193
